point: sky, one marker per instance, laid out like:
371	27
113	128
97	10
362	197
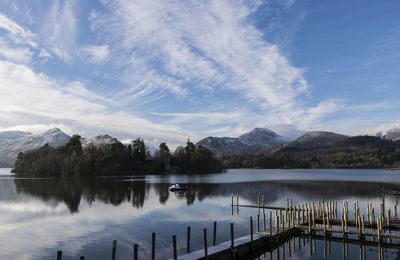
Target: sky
172	70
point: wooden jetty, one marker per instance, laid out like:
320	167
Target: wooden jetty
314	220
322	220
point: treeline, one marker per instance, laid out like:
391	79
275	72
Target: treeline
72	159
353	152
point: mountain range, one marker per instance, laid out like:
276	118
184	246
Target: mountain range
14	142
257	141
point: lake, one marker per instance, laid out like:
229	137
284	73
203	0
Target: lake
39	216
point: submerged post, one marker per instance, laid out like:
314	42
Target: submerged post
153	246
205	243
188	240
59	255
174	247
114	249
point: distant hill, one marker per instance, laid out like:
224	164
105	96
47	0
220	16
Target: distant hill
313	140
257	140
14	142
331	151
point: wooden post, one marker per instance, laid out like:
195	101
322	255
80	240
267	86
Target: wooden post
277	225
270	224
135	252
232	237
237	200
153	246
232	200
265	221
251	232
59	255
114	249
388	218
188	240
395	211
174	247
82	257
258	222
215	233
205	243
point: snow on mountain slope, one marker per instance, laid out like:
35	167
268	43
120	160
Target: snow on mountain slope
314	139
99	140
258	139
391	134
14	142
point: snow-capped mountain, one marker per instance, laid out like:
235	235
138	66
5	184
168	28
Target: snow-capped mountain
313	140
258	139
391	134
14	142
99	141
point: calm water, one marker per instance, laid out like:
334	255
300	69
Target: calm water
83	216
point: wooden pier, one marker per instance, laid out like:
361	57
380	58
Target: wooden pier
313	220
320	220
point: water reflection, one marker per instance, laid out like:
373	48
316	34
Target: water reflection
83	216
118	190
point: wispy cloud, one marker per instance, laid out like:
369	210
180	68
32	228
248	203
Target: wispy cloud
15	54
17	32
94	53
60	29
30	97
205	46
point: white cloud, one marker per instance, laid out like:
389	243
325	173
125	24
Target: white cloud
14	54
209	46
94	53
37	99
18	33
60	29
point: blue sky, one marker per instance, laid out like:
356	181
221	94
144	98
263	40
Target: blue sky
172	70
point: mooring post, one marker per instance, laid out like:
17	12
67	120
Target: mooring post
258	222
264	221
232	237
174	247
388	218
135	252
188	240
114	249
215	233
59	255
232	201
153	246
277	226
237	200
395	211
81	257
205	243
270	224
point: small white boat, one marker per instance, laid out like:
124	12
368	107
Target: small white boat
177	187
